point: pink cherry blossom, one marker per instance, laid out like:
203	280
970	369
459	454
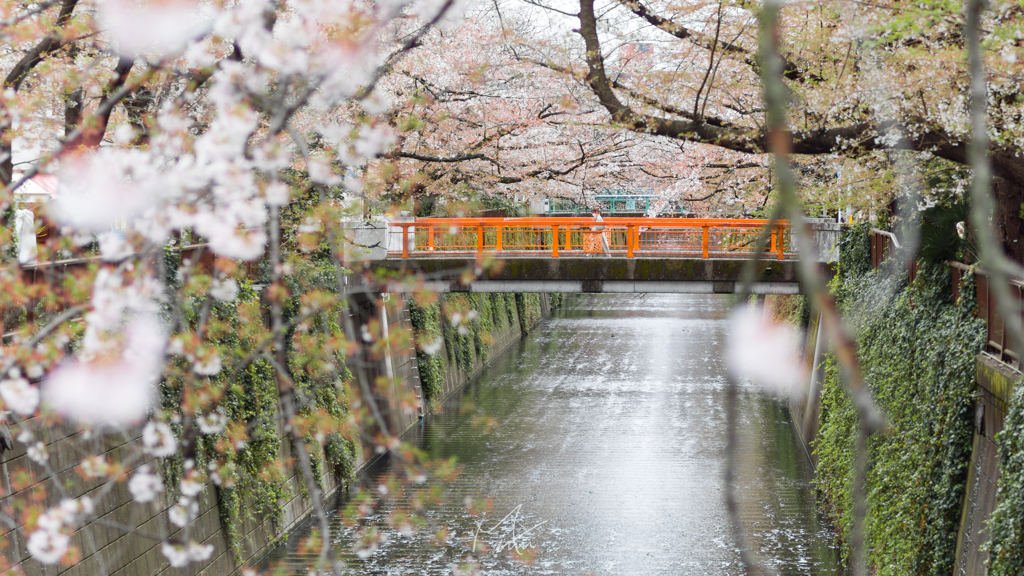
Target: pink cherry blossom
763	351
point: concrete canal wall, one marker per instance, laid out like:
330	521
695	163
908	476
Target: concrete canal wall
136	554
995	381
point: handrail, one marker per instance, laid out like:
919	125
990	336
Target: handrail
891	236
687	236
997	340
582	221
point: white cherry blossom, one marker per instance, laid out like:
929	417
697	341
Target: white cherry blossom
183	512
37	453
224	290
208	366
117	385
48	547
212	423
151	27
145	486
158	439
19	396
179	555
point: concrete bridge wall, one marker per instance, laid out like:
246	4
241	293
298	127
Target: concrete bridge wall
601	274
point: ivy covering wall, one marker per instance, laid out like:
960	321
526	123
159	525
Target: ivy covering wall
1006	546
461	328
528	306
917	350
245	457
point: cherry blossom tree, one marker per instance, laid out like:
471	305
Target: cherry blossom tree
473	113
203	150
869	83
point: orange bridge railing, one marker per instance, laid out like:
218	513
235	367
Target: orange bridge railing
705	238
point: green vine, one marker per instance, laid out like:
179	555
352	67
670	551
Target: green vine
426	322
511	309
917	350
1006	547
479	317
528	307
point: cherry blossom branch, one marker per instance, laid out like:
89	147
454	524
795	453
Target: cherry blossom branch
441	159
870	419
855	137
790	70
51	43
45	331
410	43
104	108
42	7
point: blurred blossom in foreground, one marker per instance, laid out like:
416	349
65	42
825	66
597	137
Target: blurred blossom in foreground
224	290
19	395
114	379
94	193
48	546
159	27
179	555
763	351
159	440
145	486
116	389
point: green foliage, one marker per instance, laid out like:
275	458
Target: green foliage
528	307
917	351
458	336
251	483
499	311
249	396
939	239
482	325
470	339
511	308
1006	547
855	250
426	322
252	398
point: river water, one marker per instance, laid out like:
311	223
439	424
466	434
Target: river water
607	457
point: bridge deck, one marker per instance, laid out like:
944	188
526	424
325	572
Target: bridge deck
639	274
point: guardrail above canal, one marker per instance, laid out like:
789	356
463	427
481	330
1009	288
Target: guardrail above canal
629	237
620	255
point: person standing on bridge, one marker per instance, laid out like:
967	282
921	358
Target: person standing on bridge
597	241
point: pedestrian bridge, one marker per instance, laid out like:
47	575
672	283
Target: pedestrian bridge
620	255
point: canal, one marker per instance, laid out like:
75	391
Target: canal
606	457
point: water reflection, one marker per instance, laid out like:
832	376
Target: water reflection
609	454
